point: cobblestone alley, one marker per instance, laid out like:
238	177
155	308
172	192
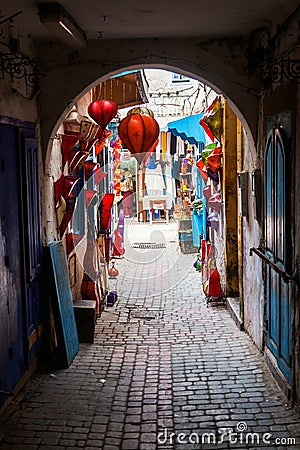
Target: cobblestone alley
165	372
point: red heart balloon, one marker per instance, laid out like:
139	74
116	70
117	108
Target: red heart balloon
102	111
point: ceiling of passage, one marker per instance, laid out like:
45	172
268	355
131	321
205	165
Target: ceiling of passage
114	19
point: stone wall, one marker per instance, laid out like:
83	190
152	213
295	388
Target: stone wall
253	290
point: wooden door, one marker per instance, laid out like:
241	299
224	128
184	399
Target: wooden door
31	243
12	356
277	230
20	253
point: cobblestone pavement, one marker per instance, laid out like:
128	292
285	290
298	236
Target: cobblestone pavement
165	372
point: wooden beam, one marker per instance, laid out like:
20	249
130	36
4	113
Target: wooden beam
229	182
239	218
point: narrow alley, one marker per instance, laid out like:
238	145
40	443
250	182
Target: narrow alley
165	371
149	225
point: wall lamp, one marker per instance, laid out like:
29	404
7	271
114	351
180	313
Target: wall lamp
62	25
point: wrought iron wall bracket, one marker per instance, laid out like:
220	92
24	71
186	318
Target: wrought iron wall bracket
284	68
267	64
18	67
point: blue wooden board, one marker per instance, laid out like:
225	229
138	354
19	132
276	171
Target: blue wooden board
62	305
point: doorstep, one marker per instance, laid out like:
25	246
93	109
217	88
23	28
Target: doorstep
234	308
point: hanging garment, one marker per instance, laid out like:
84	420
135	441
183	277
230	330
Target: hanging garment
180	147
176	167
173	144
169	180
214	286
163	144
154	181
127	202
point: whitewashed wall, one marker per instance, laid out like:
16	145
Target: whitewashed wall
253	287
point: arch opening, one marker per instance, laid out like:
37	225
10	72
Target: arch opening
218	248
220	88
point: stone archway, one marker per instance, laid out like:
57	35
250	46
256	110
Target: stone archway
67	76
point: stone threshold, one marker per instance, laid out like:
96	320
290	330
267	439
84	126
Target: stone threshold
234	308
277	374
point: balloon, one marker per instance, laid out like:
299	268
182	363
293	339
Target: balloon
113	271
138	133
102	112
141	110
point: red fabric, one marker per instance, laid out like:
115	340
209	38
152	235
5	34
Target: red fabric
105	208
214	288
202	169
127	203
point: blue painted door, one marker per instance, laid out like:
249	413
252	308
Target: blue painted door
12	358
31	244
279	331
20	253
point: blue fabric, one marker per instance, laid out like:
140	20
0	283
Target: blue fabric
198	227
189	129
151	164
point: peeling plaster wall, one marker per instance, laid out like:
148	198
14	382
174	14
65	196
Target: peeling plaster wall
15	105
52	174
253	287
